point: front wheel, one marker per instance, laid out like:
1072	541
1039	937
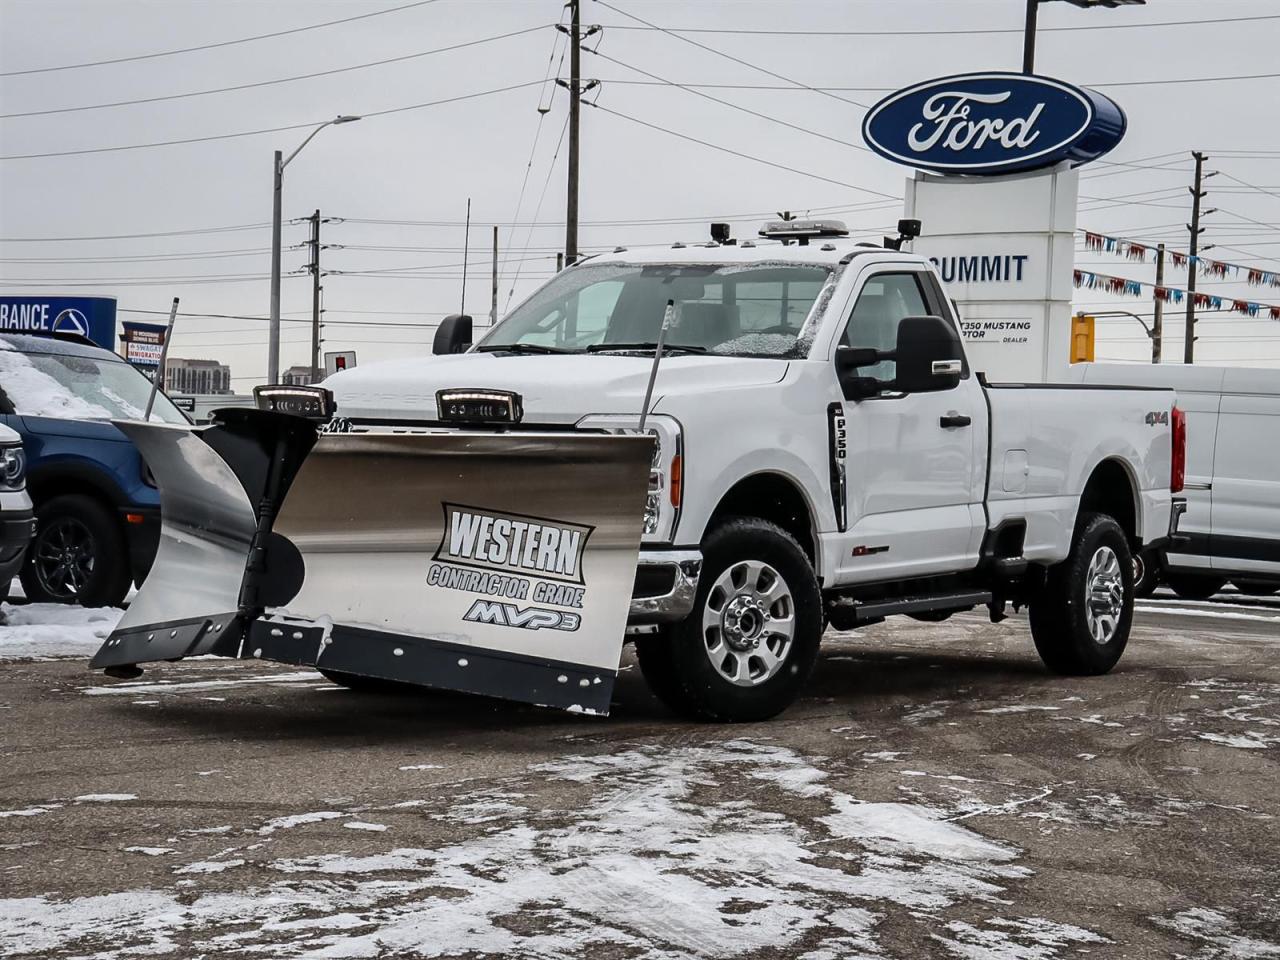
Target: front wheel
78	554
1081	620
749	645
1146	574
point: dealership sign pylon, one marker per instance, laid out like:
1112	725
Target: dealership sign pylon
996	191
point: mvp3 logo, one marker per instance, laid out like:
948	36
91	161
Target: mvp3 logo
527	618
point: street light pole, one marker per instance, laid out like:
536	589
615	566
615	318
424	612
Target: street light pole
1029	31
278	164
1029	38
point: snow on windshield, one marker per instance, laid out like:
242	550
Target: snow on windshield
34	393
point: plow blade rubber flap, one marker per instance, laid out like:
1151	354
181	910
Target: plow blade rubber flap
497	564
190	597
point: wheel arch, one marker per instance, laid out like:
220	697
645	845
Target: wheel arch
1113	490
773	496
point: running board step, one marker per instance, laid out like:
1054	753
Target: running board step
921	604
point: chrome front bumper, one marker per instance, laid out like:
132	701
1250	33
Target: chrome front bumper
666	585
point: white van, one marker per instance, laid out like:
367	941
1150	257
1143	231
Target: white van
1232	523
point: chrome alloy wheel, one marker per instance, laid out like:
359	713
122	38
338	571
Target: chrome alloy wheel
1104	595
748	623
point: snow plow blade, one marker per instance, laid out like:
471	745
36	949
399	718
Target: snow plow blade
499	564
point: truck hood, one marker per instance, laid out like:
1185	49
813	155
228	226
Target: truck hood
555	389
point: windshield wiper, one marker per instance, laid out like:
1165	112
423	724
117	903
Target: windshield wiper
519	348
649	346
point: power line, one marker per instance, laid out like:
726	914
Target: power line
933	33
251	133
211	46
136	236
731	105
537	131
157	258
726	56
269	83
744	156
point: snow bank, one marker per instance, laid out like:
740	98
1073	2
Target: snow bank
44	631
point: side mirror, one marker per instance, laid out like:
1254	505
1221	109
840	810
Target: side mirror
453	335
849	360
929	355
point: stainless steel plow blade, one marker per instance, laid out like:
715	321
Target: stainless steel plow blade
491	563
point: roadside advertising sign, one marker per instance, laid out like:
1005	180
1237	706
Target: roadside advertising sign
91	317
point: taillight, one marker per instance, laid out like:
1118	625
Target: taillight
1178	473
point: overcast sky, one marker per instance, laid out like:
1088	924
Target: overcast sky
422	164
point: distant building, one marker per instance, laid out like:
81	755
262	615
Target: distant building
298	376
196	376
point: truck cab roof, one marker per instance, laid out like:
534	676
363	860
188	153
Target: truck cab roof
819	251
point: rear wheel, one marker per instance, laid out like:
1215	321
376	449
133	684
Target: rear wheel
1255	588
746	650
1195	586
78	554
1080	622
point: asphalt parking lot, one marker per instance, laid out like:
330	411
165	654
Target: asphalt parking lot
935	794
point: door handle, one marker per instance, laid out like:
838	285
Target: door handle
954	420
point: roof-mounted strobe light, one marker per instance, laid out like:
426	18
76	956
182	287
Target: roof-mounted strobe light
803	230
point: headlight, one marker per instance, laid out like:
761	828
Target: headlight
666	474
13	467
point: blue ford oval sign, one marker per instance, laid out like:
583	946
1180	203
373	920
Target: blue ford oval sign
992	123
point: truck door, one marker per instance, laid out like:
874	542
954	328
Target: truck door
913	503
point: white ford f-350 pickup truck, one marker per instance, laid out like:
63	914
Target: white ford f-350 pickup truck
825	455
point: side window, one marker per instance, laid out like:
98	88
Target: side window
885	299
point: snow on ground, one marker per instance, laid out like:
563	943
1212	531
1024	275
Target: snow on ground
660	853
44	631
693	826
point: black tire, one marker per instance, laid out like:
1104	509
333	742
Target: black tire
359	684
1146	575
1061	616
78	554
1195	586
1256	588
678	663
658	667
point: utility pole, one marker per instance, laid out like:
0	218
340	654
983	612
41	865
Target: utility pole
1157	325
493	307
273	331
1193	262
575	92
314	268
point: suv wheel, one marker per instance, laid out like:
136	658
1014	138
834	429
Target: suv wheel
78	555
1080	622
752	639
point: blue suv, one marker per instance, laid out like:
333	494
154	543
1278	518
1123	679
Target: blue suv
97	509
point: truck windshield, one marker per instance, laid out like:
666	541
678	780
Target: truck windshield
758	310
78	388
